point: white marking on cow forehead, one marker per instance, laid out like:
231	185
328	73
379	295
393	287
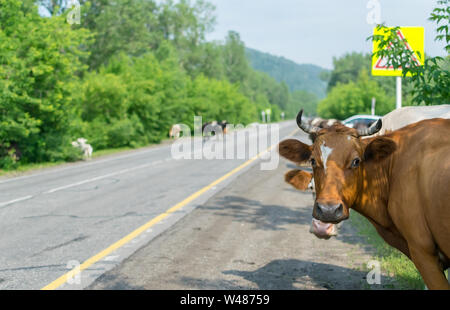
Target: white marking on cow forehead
349	138
325	152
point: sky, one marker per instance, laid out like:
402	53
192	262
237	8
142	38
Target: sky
315	31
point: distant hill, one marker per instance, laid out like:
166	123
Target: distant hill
296	76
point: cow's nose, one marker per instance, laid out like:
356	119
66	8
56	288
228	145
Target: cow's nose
329	212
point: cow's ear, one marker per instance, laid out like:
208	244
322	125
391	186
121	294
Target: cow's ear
379	148
298	178
294	150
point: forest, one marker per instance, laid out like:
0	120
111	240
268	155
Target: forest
120	74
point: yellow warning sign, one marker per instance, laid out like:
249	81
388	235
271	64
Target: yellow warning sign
415	37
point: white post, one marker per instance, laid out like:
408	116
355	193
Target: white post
399	92
373	105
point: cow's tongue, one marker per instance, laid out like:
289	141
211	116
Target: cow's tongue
322	230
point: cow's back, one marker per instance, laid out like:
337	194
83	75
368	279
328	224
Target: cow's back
407	115
420	180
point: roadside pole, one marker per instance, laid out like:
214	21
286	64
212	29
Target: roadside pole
372	110
268	113
399	93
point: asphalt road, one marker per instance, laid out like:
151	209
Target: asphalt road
252	235
55	219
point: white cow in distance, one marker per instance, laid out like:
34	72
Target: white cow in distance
84	147
175	131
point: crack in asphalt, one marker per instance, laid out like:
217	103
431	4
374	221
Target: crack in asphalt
115	217
33	267
63	215
47	249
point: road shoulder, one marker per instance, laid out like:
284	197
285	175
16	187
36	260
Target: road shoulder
254	234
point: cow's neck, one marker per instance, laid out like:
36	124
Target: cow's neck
374	192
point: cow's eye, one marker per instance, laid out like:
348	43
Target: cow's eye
355	162
313	162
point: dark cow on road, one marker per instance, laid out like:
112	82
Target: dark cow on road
215	128
399	181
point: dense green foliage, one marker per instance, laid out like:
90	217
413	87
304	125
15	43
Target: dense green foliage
355	97
350	88
40	64
431	81
121	77
304	77
301	99
347	68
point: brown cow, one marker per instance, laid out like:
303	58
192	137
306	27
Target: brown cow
302	180
400	182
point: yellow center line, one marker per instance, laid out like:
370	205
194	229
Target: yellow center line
89	262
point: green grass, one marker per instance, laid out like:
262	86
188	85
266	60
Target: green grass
36	166
110	151
29	167
393	262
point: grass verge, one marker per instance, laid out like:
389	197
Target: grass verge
29	167
36	166
111	151
393	262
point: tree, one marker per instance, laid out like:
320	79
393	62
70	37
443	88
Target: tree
122	77
431	81
301	99
235	62
220	100
347	68
185	26
137	27
352	98
41	64
126	26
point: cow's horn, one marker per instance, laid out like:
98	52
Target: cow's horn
371	130
304	126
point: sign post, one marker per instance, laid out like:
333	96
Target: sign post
398	101
268	112
372	110
413	38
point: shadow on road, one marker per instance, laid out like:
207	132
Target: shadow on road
115	282
293	274
348	233
262	216
287	274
